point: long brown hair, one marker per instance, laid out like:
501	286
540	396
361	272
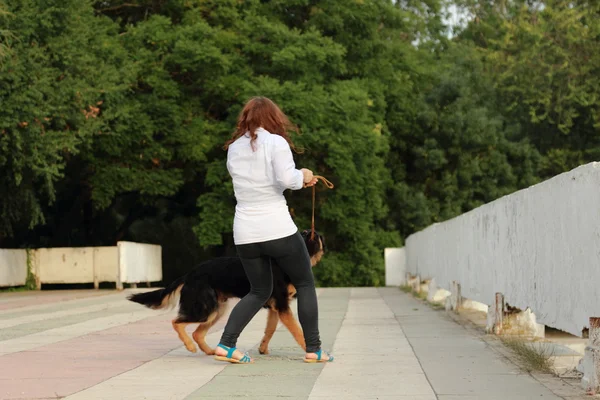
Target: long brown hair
263	112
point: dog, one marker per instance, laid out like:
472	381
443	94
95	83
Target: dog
204	291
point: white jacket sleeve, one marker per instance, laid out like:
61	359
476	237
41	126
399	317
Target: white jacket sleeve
286	173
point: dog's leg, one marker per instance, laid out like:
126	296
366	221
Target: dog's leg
199	337
183	336
288	320
199	334
272	320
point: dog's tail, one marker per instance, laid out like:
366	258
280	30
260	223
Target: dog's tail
161	298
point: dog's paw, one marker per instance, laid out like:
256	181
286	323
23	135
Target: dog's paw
191	347
263	350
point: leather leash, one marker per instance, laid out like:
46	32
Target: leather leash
329	185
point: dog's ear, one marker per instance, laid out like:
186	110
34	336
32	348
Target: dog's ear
322	238
313	246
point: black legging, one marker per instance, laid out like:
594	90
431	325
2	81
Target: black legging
291	255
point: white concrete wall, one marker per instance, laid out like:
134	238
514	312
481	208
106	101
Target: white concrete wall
140	262
65	265
540	247
395	266
106	264
13	267
127	262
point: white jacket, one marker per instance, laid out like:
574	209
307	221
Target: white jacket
259	178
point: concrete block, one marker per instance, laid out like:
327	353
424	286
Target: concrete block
454	301
436	294
491	319
395	266
590	364
523	323
106	264
416	284
474	305
413	281
495	315
66	265
139	262
13	267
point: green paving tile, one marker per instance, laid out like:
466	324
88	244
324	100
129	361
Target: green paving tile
280	374
64	305
40	326
257	386
285	366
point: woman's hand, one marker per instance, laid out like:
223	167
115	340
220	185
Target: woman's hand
309	179
311	183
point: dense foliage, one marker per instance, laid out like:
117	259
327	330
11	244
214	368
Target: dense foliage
114	114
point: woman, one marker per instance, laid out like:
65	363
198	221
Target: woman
260	162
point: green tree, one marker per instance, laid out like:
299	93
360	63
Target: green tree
320	78
51	88
140	104
455	151
116	113
5	34
543	58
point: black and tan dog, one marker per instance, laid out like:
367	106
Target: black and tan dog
204	291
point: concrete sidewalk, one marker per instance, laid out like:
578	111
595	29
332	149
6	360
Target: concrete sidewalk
96	345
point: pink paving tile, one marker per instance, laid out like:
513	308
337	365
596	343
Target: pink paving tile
36	298
41	389
73	365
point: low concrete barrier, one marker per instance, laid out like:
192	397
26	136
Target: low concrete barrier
106	264
64	265
395	266
539	247
13	267
125	263
139	262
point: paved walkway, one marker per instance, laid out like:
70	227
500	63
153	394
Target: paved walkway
90	345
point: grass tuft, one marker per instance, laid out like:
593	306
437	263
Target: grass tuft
533	359
406	288
436	305
423	297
